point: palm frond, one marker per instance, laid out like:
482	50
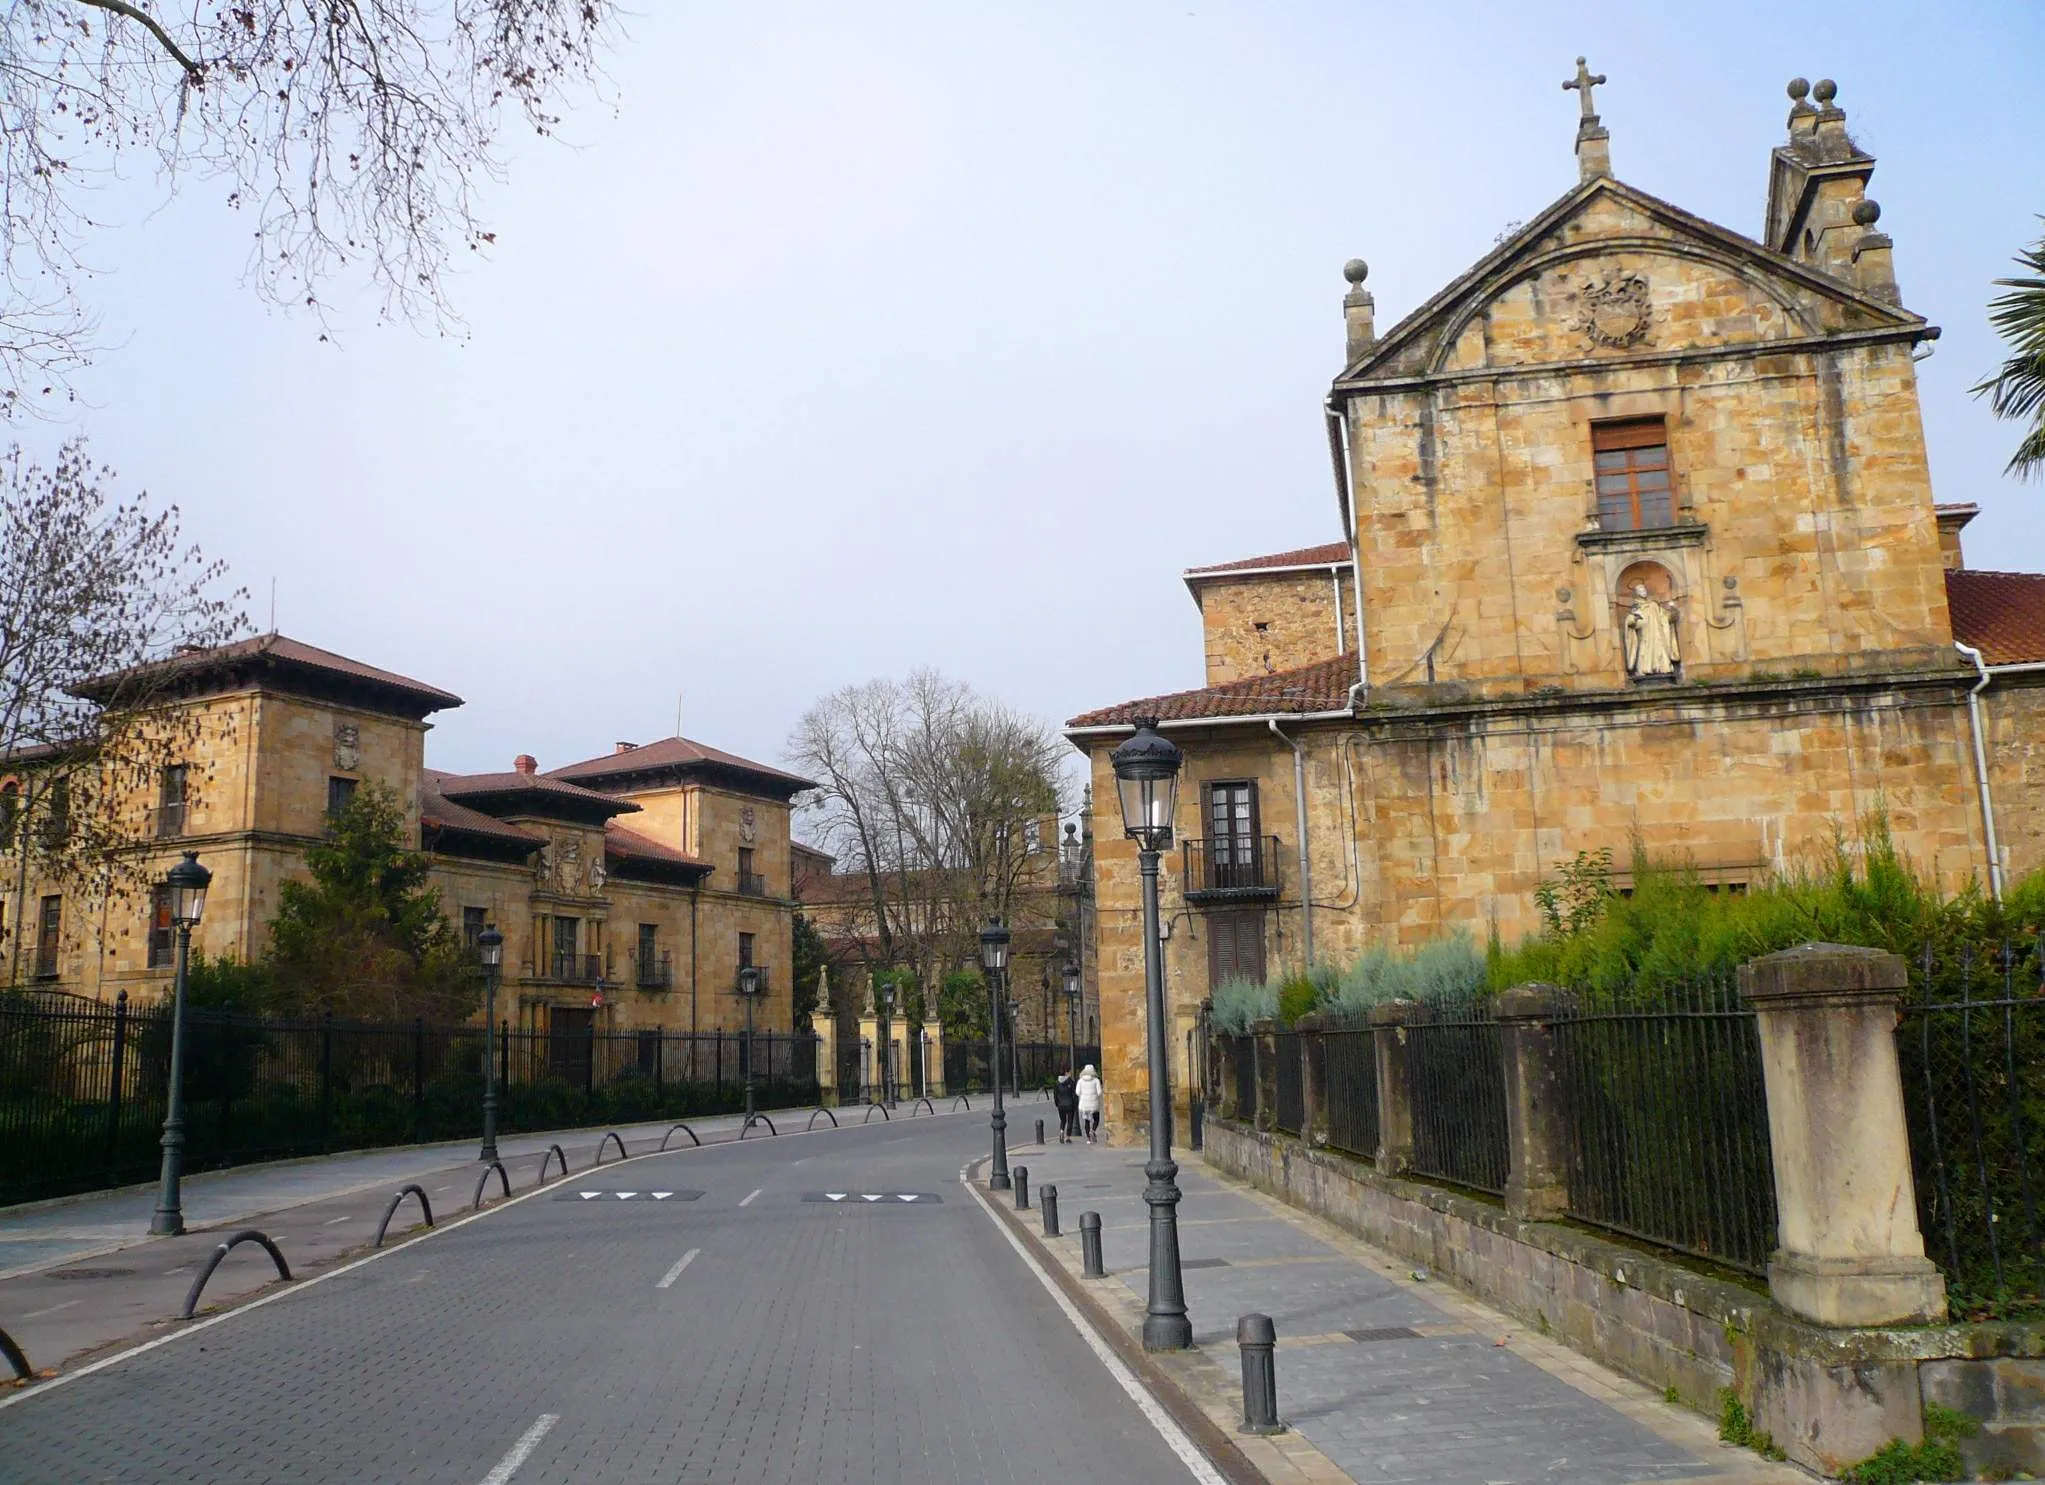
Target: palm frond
2017	391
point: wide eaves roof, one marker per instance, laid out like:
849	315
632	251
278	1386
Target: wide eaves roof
1328	554
1320	687
678	755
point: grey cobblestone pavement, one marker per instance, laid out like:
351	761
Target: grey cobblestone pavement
863	1342
1391	1378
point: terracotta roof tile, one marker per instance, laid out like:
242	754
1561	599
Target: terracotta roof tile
1320	687
674	752
1320	556
437	811
631	845
2001	614
278	649
480	785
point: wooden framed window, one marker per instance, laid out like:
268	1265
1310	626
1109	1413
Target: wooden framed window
1232	822
474	921
745	951
172	792
649	944
161	930
1631	459
47	931
1235	947
340	794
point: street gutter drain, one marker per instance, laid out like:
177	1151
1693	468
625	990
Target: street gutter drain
1384	1333
88	1273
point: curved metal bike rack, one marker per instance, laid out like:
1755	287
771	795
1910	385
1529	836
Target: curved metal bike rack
392	1210
928	1107
609	1135
483	1179
552	1152
820	1109
693	1141
886	1117
758	1119
16	1357
246	1235
961	1099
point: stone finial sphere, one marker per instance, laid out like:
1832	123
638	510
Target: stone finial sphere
1799	88
1356	270
1826	90
1866	213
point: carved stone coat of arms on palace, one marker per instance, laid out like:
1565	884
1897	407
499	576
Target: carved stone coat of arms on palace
1615	310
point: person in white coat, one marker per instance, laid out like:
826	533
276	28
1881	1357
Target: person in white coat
1089	1102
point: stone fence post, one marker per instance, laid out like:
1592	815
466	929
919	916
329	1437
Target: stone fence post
1537	1134
1226	1050
1395	1085
1850	1250
1264	1038
1313	1077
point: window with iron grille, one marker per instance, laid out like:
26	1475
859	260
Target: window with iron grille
1632	464
340	794
161	930
47	929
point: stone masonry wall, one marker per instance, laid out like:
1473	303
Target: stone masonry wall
1256	624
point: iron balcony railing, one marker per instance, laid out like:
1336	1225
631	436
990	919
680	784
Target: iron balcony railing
579	969
1230	868
752	884
655	972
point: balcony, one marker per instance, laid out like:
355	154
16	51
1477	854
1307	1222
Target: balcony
654	972
752	884
579	969
1231	868
766	981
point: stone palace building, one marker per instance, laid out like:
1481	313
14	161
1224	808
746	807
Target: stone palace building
630	888
1636	536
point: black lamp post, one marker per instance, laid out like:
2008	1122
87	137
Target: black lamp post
1071	1016
749	991
1147	778
887	1044
994	959
490	949
186	885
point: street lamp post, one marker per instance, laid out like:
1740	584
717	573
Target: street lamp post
1147	778
887	1045
1071	1016
186	885
490	949
749	990
994	959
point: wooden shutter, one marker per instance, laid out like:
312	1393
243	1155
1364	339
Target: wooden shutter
1633	433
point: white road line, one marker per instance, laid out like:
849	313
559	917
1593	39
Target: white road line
38	1314
675	1273
749	1200
527	1442
1175	1437
332	1221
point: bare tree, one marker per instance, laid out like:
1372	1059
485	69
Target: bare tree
97	593
354	132
932	793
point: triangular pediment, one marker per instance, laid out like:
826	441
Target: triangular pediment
1609	271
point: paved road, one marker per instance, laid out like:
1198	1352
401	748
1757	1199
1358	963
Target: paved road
565	1338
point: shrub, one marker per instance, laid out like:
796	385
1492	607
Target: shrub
1236	1003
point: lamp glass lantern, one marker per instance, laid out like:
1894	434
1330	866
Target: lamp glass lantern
1071	981
994	946
1147	780
749	980
188	881
490	947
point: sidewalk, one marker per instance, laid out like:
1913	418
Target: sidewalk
82	1273
1384	1375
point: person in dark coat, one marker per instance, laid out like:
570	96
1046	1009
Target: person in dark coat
1065	1098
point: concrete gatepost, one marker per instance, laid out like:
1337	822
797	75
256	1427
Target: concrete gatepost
1537	1185
1850	1249
1264	1036
933	1058
1313	1077
1395	1085
825	1027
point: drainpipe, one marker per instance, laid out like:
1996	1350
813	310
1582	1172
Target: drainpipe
1338	453
1306	867
695	894
1981	767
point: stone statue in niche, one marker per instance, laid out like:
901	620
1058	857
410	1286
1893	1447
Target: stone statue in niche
1652	648
748	826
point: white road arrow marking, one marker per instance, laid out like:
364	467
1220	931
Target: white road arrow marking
626	1195
662	1195
589	1195
869	1198
908	1196
835	1195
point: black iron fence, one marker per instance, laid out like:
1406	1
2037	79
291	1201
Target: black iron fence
1667	1123
83	1085
1351	1061
1289	1106
1457	1069
1972	1048
1028	1065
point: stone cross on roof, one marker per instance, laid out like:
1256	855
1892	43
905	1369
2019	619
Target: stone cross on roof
1582	84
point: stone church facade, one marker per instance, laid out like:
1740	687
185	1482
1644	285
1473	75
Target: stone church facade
1638	537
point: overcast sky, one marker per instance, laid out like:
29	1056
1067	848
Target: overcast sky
846	338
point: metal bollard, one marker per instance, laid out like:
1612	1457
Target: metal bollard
1258	1338
1048	1200
1090	1246
1022	1188
1040	1131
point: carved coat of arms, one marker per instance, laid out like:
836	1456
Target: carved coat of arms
1614	311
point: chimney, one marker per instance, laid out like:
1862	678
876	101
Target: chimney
526	763
1358	308
623	747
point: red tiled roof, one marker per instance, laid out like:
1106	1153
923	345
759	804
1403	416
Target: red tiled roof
276	649
618	841
2001	614
673	752
437	811
478	785
1320	556
1320	687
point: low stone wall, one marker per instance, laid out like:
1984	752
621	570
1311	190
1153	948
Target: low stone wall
1829	1397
